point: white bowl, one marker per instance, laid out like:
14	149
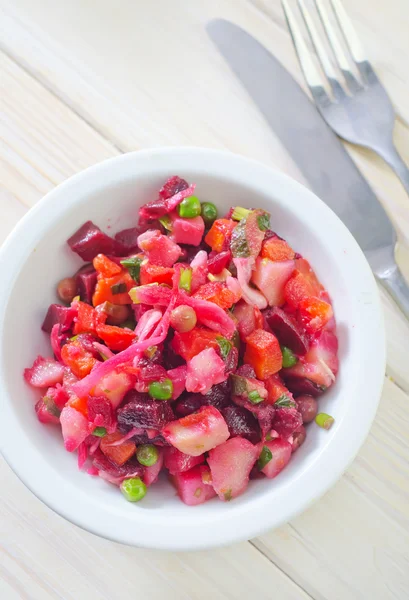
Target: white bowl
35	257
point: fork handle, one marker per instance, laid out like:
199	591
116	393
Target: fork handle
395	284
394	159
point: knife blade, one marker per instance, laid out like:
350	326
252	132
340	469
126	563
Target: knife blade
316	150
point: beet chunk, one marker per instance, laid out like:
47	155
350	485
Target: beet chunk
128	238
99	411
57	314
187	405
287	330
246	371
241	422
142	412
300	386
172	186
231	360
131	467
264	412
143	438
86	280
89	240
218	396
286	421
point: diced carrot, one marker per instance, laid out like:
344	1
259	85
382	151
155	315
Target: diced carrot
315	314
87	319
105	288
106	266
155	274
116	338
79	360
218	293
263	353
188	344
303	266
296	289
118	454
303	284
218	236
276	249
276	388
80	404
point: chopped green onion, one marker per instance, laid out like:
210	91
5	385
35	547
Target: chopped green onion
133	489
161	390
133	264
166	222
284	401
255	397
263	221
147	455
99	431
264	458
289	358
189	207
185	280
268	437
325	421
118	288
240	213
225	346
209	213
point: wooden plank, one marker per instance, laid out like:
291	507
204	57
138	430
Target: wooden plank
354	543
42	555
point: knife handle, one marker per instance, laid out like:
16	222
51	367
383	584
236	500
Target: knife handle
395	284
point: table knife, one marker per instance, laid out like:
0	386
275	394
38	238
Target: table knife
316	150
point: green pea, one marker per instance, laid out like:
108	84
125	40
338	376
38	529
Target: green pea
189	207
99	431
161	390
133	489
209	213
289	358
147	455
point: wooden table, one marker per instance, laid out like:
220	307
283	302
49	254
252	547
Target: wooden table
85	80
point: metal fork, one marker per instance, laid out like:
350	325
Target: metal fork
360	110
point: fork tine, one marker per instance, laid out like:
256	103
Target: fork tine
354	45
311	73
321	52
337	49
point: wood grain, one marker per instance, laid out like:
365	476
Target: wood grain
77	89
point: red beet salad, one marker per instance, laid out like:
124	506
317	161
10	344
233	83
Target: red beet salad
192	344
